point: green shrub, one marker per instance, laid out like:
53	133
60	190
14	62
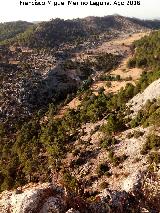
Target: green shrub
118	78
107	142
129	135
69	181
138	134
108	84
78	162
76	152
131	63
104	185
103	169
113	125
101	90
152	142
116	160
154	157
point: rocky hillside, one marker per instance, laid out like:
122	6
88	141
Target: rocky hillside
152	92
32	79
96	156
56	32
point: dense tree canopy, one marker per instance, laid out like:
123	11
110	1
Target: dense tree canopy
147	52
9	30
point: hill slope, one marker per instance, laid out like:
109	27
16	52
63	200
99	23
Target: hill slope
103	160
9	30
57	31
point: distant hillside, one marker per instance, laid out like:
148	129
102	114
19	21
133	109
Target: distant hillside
152	24
57	31
11	29
147	52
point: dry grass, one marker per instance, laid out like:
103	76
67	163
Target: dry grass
116	86
116	46
125	72
72	105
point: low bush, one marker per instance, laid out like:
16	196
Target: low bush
154	158
116	160
137	134
69	181
103	169
108	84
104	185
76	152
152	142
107	142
